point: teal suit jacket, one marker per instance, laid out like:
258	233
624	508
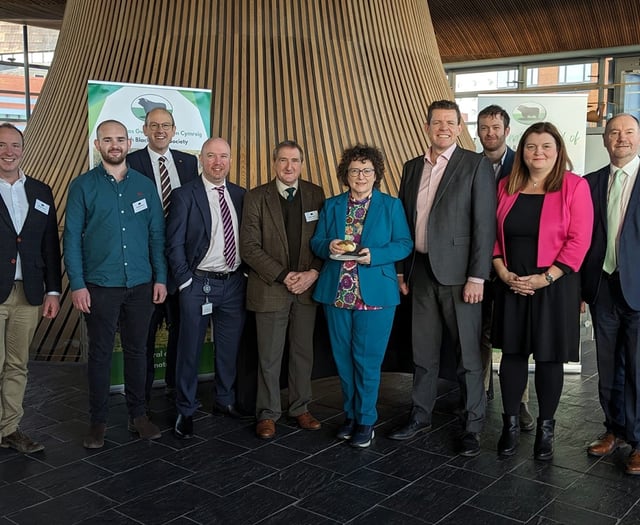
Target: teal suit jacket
386	234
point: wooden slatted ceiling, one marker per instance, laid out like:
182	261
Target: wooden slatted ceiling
326	73
465	29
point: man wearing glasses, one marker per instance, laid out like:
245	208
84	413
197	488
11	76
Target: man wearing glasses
168	169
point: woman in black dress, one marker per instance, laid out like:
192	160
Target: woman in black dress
544	222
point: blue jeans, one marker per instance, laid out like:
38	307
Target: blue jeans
130	309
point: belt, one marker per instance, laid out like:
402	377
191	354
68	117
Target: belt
223	276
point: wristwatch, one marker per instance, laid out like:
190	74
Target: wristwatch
549	277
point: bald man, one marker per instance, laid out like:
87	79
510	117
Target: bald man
204	258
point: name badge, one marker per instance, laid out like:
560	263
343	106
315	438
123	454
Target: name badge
42	207
311	216
207	308
140	205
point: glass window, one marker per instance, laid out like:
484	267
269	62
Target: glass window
486	81
13	77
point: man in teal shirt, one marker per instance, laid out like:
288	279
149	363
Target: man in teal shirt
114	256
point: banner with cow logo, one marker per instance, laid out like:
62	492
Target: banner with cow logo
129	103
567	111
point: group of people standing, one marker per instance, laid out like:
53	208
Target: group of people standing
489	246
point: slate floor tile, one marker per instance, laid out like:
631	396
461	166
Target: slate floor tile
300	480
604	496
231	475
347	501
167	502
408	463
515	497
424	500
16	496
68	478
248	505
145	478
69	508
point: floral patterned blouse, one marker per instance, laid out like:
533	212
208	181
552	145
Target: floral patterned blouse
348	295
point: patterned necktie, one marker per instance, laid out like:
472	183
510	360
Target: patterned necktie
613	220
290	192
227	228
165	185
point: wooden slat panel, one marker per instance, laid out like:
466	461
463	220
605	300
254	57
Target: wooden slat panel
325	73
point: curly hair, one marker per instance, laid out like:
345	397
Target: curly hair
361	152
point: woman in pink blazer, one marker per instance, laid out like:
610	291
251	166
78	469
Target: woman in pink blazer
544	222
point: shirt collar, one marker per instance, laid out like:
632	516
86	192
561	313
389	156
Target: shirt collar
282	188
22	178
631	168
210	186
446	154
154	156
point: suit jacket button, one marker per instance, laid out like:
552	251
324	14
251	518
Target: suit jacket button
13	261
19	239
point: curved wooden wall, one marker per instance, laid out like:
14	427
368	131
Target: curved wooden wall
326	73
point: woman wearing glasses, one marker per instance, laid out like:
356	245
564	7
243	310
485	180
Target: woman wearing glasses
360	234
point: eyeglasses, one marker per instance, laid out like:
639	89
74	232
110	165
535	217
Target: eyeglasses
165	126
355	172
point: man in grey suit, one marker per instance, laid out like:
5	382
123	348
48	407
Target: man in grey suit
450	201
168	169
279	219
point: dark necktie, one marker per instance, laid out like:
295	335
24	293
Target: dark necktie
227	228
165	184
290	192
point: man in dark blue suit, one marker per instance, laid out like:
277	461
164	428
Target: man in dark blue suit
157	161
493	130
203	254
29	275
611	286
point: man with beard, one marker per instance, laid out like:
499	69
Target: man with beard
113	252
493	130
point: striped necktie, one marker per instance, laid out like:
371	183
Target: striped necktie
227	228
165	185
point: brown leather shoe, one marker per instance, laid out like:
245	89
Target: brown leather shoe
19	441
633	463
308	422
605	445
266	429
95	437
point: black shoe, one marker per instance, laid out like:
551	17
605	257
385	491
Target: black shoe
409	430
363	436
543	445
470	445
508	442
526	419
183	428
231	411
345	431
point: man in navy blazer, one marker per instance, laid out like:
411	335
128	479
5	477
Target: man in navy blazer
449	196
493	130
209	280
611	286
29	274
159	128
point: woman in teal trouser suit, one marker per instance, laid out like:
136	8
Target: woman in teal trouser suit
360	295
